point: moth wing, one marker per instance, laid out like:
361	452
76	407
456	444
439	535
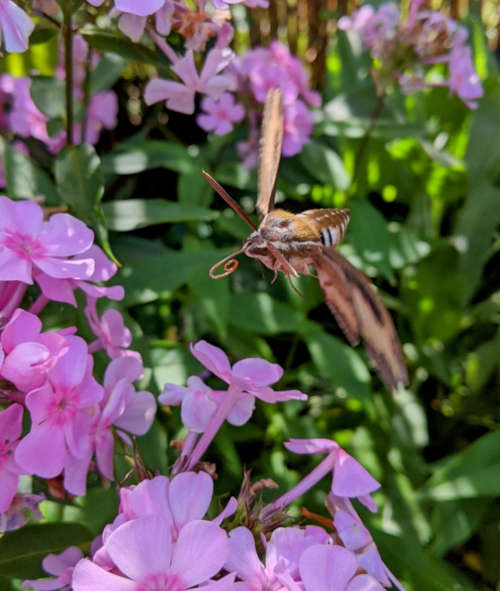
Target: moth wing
270	151
361	312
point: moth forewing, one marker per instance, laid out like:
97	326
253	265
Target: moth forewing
271	140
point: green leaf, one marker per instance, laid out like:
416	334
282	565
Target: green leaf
172	365
79	180
122	46
107	72
325	165
473	472
370	237
151	154
123	216
42	35
454	522
483	149
48	94
474	232
406	558
80	183
154	275
339	363
264	314
22	551
24	179
482	363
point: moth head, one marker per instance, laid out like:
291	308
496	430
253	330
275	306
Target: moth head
276	226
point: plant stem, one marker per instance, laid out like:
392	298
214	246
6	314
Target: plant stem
68	65
358	159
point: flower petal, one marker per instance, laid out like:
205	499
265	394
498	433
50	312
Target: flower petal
199	553
141	547
213	358
189	496
87	576
324	568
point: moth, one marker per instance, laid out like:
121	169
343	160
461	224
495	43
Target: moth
295	243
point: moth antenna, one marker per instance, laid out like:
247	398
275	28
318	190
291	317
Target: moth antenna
230	265
228	199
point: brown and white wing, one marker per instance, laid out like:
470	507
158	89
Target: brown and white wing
359	310
270	151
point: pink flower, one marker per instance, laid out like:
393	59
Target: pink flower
323	568
121	407
60	417
61	290
298	126
31	354
111	332
26	241
199	404
139	7
179	96
356	538
282	555
16	27
220	115
349	478
25	119
11	424
251	376
463	77
144	554
24	506
61	566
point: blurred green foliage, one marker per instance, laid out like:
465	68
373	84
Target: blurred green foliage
425	204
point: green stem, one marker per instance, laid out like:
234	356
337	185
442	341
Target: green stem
358	159
86	95
68	64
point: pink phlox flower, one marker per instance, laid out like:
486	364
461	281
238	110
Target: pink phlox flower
30	354
282	556
24	507
11	424
356	538
25	119
224	4
146	557
323	568
61	566
16	27
121	407
376	28
251	376
11	295
185	498
80	59
27	242
61	411
133	25
220	115
179	96
61	290
112	334
139	7
102	113
199	403
463	77
298	125
349	478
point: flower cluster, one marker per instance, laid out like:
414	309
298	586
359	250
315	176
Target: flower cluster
21	119
48	375
161	539
405	48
